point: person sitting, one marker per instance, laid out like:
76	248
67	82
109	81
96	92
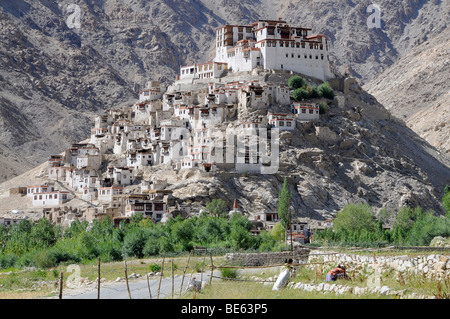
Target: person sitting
336	273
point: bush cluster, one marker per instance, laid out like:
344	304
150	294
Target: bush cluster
45	245
355	225
303	91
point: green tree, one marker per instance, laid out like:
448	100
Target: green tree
326	90
404	221
323	107
277	231
301	94
216	207
296	82
446	201
283	204
353	220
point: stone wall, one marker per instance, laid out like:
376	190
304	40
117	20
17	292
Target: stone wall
436	266
299	255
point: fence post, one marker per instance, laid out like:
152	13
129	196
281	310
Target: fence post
148	285
126	280
98	282
173	278
212	268
185	269
61	284
203	267
162	273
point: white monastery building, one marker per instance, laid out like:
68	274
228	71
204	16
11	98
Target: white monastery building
273	44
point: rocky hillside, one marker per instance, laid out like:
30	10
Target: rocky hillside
416	89
356	152
53	78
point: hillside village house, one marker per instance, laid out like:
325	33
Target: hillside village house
282	121
39	189
53	198
305	111
142	204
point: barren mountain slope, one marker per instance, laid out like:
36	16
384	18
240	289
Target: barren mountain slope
416	89
53	78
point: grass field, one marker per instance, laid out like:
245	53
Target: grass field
40	283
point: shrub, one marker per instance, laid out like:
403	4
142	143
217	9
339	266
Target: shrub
154	267
323	107
228	272
296	82
8	260
300	94
44	259
326	91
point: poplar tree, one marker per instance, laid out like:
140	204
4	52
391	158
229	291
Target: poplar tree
283	204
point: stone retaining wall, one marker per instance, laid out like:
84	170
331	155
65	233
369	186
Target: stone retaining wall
266	259
431	266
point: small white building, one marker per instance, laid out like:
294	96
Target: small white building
121	175
107	194
89	161
282	121
54	198
38	189
305	111
151	93
203	71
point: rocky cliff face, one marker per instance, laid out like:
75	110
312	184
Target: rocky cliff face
416	89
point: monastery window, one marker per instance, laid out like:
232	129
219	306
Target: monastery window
310	56
281	123
303	111
287	55
288	124
35	197
40	197
311	111
292	55
298	56
303	45
281	44
306	56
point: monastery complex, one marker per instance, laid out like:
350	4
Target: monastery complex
185	126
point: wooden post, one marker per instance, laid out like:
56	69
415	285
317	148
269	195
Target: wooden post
61	284
162	273
184	272
212	268
98	282
126	280
203	264
148	285
173	278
